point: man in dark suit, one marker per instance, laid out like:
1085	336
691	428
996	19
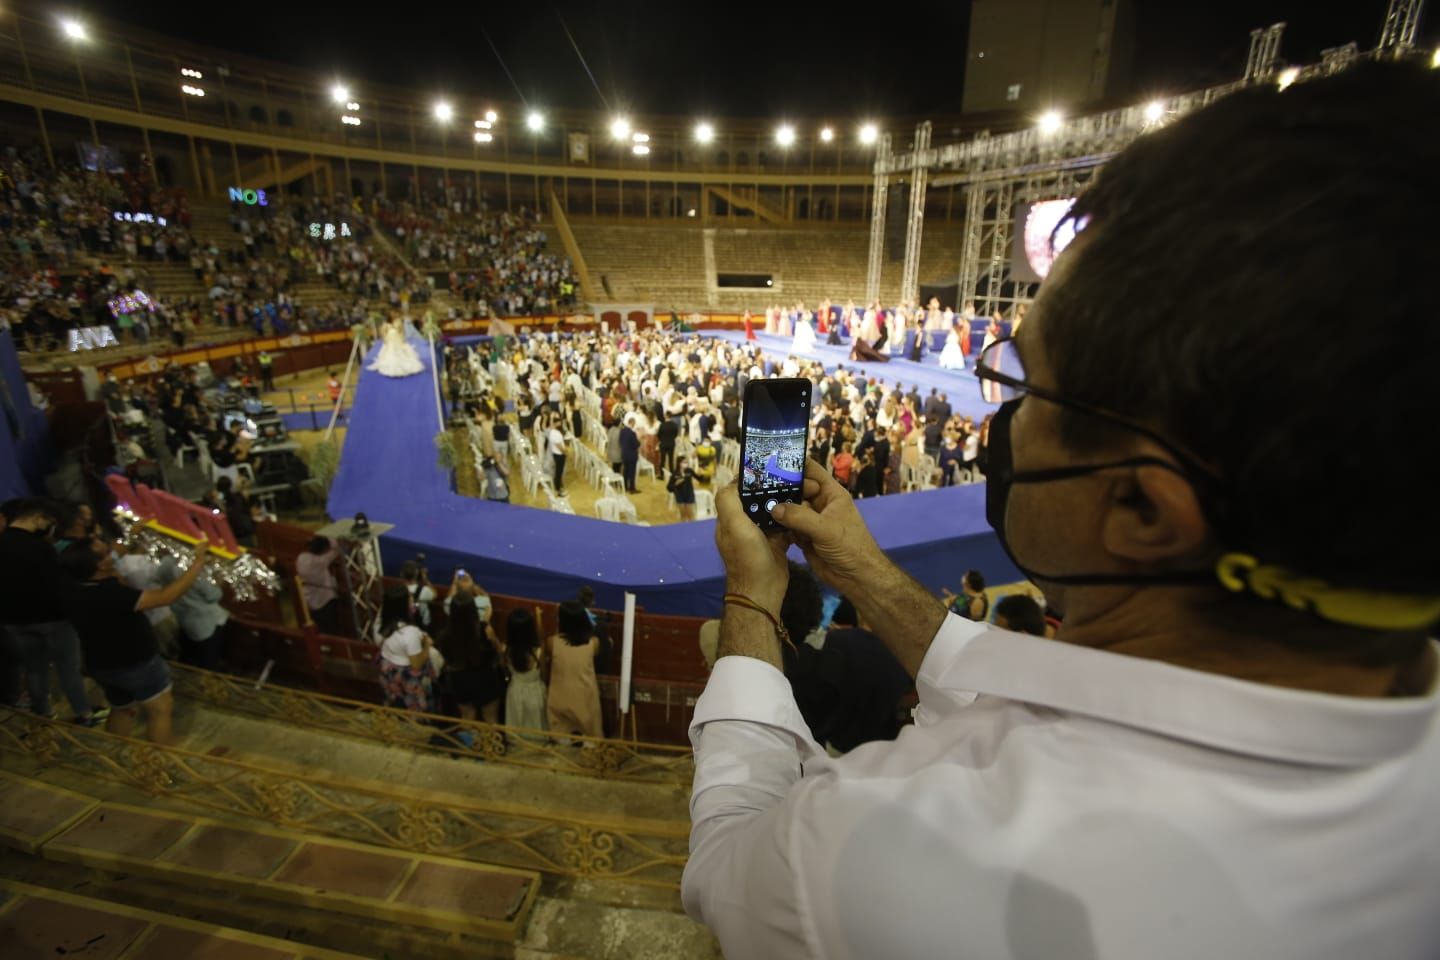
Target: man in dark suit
629	453
943	409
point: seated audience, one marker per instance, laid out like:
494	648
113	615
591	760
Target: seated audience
1020	613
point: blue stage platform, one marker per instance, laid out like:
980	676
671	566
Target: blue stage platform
388	470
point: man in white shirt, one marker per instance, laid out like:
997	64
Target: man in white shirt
1231	748
556	447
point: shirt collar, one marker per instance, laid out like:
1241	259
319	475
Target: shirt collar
1255	719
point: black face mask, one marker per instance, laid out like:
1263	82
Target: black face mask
1000	476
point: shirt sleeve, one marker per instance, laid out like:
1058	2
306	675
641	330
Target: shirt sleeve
751	748
940	693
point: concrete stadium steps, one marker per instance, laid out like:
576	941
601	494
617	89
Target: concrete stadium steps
41	923
668	264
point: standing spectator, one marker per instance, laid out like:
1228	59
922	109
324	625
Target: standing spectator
267	370
201	619
525	698
422	595
472	661
682	485
573	705
120	649
629	453
555	447
34	628
972	604
668	433
409	663
1020	613
317	583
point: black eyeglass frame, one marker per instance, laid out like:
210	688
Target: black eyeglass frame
1214	486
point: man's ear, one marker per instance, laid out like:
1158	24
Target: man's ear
1153	516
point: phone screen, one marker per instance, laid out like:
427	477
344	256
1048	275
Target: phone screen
772	453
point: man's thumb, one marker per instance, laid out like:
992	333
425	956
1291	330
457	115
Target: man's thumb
799	518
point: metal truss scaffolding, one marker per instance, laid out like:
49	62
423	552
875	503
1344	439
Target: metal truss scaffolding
915	225
1402	21
1264	51
877	221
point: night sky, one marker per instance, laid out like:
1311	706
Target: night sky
745	59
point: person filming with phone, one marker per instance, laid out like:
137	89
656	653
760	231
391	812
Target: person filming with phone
1231	748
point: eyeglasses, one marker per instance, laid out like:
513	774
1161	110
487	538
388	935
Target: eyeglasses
1001	373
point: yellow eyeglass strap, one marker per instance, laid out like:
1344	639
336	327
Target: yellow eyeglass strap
1373	609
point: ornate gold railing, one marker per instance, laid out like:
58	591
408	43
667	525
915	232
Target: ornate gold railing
593	757
572	845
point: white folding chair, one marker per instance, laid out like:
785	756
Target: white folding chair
646	468
704	504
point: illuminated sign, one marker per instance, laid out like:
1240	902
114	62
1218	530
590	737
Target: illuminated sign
255	198
92	338
328	231
133	302
129	217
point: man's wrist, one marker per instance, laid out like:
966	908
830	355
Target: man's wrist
766	596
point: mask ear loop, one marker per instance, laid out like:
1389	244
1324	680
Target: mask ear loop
1373	609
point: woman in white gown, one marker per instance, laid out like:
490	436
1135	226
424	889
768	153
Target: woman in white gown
396	357
804	341
951	358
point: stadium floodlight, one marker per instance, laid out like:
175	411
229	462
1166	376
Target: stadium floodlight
491	116
74	29
826	135
785	136
1287	76
641	137
340	93
620	128
444	112
704	132
641	149
350	121
482	137
1435	59
869	133
535	121
1050	122
483	124
352	105
1154	111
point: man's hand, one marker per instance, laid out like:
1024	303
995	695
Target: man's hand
755	563
829	529
202	550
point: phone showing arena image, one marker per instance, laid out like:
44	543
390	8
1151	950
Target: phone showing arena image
772	452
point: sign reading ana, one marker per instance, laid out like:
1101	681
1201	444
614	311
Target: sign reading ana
91	338
254	198
328	231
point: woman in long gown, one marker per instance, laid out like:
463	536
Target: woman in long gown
749	327
396	357
804	341
573	706
952	358
870	325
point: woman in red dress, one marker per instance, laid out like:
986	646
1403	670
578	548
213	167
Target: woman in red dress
963	328
749	327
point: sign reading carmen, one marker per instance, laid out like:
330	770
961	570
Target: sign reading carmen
255	198
91	338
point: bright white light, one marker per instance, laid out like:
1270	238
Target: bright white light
826	135
340	93
351	105
704	132
192	73
690	212
535	121
620	128
73	29
1288	76
350	121
869	133
444	111
483	124
1051	121
785	136
192	91
1154	111
482	137
491	116
1435	59
641	138
641	150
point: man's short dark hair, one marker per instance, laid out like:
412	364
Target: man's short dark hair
975	580
79	559
319	545
22	507
1022	614
1241	241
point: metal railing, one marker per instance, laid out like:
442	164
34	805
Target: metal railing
513	746
572	844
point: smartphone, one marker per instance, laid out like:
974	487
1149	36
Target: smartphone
775	439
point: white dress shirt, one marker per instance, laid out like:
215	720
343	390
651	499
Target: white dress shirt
1084	805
